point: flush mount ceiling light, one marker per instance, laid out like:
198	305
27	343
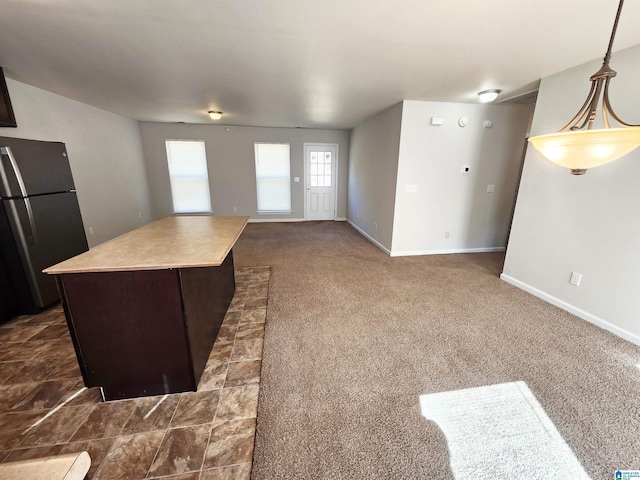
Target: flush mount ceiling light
215	115
577	145
487	96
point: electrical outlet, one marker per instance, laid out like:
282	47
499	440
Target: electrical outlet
375	225
235	209
90	230
446	234
139	213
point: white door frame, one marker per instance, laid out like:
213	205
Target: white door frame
305	145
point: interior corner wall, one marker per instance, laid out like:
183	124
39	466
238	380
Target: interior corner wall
440	209
586	224
373	168
105	153
231	165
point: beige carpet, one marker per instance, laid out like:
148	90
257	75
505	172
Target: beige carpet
354	339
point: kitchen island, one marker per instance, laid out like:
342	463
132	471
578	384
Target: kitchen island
144	309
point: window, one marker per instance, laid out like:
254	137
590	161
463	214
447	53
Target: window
187	161
320	174
273	178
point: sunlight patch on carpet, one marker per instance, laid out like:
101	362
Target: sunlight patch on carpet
500	431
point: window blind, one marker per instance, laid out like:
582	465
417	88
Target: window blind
273	177
189	177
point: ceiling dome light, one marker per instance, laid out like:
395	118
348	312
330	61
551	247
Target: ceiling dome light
215	115
577	145
487	96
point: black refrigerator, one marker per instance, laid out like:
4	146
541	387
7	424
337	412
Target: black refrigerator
40	222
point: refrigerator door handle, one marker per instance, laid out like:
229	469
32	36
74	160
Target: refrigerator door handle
32	223
23	249
6	187
23	190
16	170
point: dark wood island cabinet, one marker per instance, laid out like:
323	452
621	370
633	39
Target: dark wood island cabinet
144	309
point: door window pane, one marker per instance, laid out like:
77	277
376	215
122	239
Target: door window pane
320	174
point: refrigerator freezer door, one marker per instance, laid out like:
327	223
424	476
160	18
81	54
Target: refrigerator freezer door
60	235
41	167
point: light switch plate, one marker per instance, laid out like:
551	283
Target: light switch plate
575	279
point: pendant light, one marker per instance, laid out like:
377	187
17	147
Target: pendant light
577	145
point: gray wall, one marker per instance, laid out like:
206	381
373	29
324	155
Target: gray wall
105	154
586	224
231	164
447	202
373	168
398	147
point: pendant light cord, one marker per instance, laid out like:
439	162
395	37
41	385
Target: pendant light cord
607	56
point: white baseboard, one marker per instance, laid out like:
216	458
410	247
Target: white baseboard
447	252
422	252
620	332
278	220
370	238
282	220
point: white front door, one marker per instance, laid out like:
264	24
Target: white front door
320	177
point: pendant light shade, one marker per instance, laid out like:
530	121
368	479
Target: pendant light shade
581	150
577	145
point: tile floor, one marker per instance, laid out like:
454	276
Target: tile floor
202	435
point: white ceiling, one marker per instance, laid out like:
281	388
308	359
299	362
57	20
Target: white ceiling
311	63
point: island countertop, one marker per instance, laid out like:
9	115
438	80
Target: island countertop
173	242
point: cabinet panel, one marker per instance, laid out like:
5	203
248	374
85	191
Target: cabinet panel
129	331
207	293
